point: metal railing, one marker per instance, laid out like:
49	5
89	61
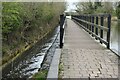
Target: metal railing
91	24
62	24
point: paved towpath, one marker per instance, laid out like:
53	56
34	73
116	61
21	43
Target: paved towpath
83	57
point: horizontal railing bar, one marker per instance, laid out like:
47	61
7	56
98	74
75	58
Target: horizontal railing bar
96	15
98	26
96	36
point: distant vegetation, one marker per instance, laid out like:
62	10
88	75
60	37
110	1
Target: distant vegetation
118	10
24	23
99	7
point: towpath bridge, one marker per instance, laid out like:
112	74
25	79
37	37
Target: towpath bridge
83	55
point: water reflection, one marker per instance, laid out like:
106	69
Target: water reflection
115	36
119	36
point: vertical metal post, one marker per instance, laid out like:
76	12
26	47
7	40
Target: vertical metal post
71	16
83	19
89	24
93	25
96	29
90	21
87	20
109	29
101	31
80	18
84	22
61	30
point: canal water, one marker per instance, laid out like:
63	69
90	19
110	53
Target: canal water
115	36
30	63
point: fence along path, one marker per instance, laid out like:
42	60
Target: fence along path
83	57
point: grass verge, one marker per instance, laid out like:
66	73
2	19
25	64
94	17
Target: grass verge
41	75
60	73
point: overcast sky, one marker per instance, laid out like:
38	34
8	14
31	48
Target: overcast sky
71	5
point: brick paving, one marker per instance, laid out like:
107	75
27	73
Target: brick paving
83	57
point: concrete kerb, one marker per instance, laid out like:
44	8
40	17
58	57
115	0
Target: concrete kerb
54	67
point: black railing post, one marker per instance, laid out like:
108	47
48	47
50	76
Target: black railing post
71	16
61	30
96	29
90	21
93	25
82	19
108	33
87	20
101	23
84	22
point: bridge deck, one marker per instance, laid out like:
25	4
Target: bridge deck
83	57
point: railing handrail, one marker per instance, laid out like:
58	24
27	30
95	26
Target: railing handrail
87	22
96	15
92	24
